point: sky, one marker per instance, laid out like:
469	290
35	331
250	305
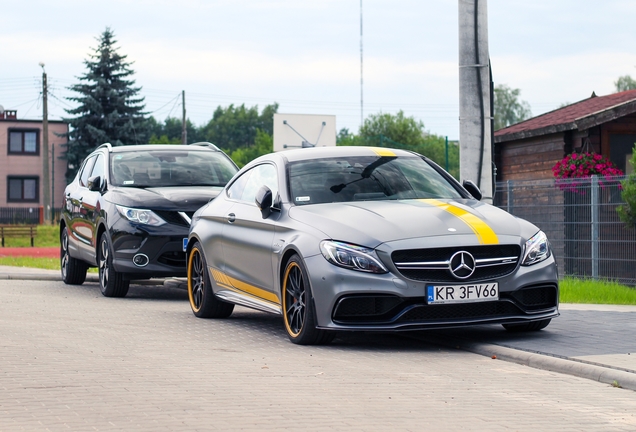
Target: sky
305	55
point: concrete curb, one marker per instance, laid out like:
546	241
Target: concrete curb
606	375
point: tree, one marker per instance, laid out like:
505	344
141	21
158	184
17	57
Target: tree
508	108
234	127
625	82
400	131
399	128
110	109
263	144
627	212
169	132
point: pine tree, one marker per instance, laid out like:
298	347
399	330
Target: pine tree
110	109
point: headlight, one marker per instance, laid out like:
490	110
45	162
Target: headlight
537	249
351	257
146	217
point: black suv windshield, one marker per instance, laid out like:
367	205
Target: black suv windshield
360	178
178	167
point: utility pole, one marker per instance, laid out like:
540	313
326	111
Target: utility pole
184	131
475	155
46	193
361	88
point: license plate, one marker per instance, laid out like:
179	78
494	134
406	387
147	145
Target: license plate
469	293
185	243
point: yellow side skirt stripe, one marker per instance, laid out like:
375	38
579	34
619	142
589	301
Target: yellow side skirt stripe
243	288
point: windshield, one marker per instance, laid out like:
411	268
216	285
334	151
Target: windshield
170	167
361	178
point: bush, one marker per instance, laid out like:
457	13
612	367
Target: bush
627	212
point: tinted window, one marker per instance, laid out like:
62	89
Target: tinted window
262	175
170	167
362	178
99	169
86	171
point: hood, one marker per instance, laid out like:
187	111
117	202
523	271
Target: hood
180	198
371	223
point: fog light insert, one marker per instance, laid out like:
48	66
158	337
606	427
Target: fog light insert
140	260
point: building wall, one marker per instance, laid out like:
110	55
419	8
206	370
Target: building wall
529	159
31	165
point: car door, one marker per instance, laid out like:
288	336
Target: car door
248	238
90	208
79	226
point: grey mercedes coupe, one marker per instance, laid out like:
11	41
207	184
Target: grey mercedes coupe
362	238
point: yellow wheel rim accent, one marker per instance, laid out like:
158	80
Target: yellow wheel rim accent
193	252
289	268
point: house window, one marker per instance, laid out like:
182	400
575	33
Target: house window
24	142
22	189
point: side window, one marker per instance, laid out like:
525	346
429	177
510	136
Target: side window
262	175
236	189
99	169
86	171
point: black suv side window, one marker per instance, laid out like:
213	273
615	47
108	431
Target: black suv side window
99	169
88	166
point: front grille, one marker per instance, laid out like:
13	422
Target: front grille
174	259
173	217
443	312
434	262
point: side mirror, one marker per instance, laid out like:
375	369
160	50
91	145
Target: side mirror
94	183
263	201
472	189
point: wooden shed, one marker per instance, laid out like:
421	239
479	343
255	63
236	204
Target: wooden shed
604	124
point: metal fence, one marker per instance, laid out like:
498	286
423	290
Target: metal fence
580	219
20	215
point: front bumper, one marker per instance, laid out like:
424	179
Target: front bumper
350	300
163	246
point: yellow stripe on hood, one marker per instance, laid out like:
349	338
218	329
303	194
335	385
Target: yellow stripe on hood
485	234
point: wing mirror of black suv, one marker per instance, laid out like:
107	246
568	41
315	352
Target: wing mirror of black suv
95	184
472	189
263	201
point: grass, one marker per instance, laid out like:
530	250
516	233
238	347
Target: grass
48	236
595	292
41	263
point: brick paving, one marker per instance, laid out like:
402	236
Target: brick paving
71	359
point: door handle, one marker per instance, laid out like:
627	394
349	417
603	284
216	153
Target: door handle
231	218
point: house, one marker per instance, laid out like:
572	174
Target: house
21	162
604	124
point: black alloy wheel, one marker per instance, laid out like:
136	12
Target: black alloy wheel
203	301
298	307
111	282
73	270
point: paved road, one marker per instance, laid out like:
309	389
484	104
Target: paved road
71	359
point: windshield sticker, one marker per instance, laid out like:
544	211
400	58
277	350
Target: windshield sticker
303	198
129	182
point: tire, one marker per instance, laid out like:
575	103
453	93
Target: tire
203	301
299	314
111	283
73	270
526	327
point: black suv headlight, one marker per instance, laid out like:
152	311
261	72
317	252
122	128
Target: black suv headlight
537	249
351	256
141	216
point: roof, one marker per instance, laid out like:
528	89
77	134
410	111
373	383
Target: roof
582	115
340	151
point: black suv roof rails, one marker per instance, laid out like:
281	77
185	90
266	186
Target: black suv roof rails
206	144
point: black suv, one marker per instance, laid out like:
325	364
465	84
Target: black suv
128	211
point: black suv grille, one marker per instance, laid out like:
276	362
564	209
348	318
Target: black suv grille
431	265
